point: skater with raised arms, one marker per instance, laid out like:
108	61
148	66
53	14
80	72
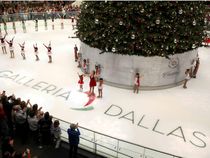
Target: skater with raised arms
49	52
11	48
36	52
22	46
3	44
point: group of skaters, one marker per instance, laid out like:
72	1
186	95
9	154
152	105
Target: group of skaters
192	71
94	75
22	47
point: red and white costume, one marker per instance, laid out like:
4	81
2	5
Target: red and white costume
11	48
49	51
36	50
137	81
3	41
81	82
22	49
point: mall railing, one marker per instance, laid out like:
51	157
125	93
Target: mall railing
111	147
37	15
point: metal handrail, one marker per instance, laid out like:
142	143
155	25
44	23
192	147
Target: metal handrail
175	156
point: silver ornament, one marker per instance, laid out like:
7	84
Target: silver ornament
157	21
113	49
133	36
194	22
96	21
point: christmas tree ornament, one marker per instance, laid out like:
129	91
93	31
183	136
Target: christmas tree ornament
133	36
180	11
96	21
157	21
113	49
120	23
194	22
142	10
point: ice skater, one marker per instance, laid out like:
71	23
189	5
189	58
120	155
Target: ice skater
36	24
98	72
45	21
11	48
75	53
79	60
5	27
197	64
81	82
3	44
22	46
49	52
62	25
187	78
136	83
36	52
88	66
92	83
14	27
84	66
53	24
24	26
100	88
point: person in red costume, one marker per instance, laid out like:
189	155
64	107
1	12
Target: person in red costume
136	83
92	83
81	82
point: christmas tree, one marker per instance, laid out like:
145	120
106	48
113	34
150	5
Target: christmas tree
149	28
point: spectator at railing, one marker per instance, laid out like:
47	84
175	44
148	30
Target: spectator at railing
45	124
73	134
56	133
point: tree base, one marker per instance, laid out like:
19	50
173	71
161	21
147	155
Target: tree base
157	72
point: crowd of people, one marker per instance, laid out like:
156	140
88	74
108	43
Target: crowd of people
12	7
19	118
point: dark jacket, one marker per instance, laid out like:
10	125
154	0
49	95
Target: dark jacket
73	136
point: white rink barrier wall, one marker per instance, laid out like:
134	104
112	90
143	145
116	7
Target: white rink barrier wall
157	72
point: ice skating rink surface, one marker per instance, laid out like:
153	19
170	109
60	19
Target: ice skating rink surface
174	120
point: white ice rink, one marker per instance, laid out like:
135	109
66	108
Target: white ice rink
174	120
